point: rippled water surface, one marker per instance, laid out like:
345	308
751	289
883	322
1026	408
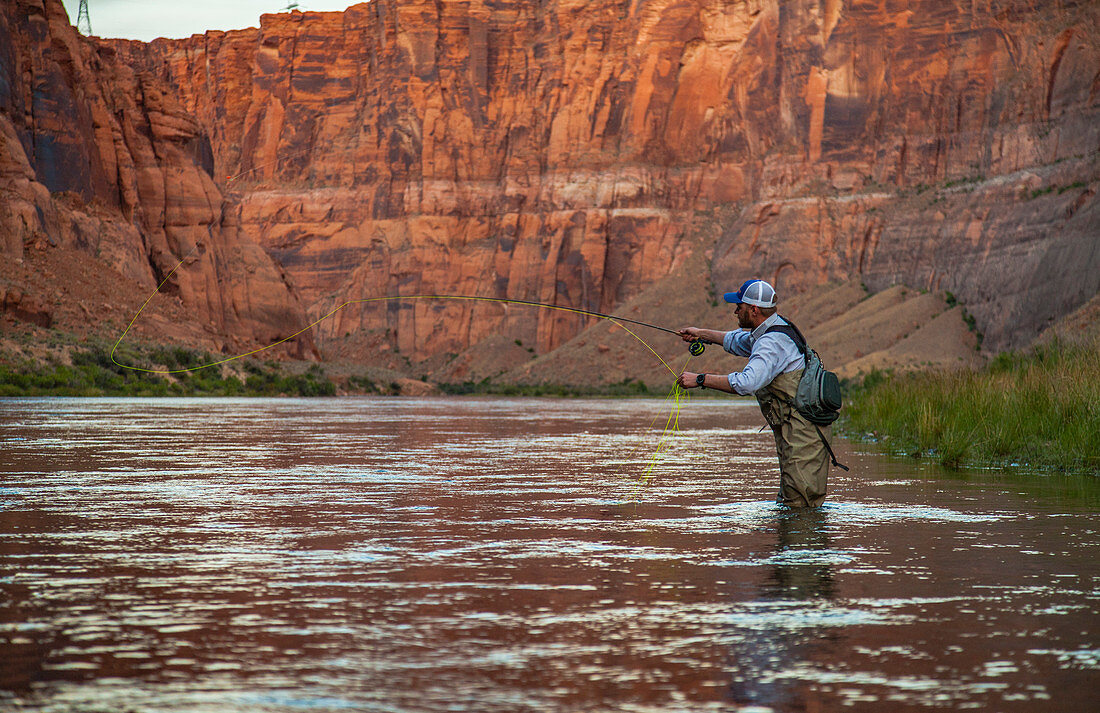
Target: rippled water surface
513	555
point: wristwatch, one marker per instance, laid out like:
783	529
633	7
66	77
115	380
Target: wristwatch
699	379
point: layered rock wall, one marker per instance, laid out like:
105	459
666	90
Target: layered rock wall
555	151
100	157
945	146
577	152
493	149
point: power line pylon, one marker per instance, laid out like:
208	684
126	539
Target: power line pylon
83	22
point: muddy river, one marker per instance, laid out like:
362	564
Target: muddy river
509	555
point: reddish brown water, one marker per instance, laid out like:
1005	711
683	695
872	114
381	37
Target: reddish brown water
504	555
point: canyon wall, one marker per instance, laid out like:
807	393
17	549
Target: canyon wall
947	146
503	150
559	152
577	152
102	159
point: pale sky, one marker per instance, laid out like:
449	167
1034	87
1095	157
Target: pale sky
149	19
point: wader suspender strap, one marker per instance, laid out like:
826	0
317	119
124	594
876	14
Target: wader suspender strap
829	448
791	331
799	341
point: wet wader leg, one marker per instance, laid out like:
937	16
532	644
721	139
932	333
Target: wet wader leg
788	492
806	469
803	460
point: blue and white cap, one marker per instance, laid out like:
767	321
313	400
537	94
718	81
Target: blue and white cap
753	292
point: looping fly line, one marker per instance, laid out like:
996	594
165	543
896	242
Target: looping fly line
618	321
671	427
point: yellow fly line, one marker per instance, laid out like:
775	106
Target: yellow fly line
470	298
672	424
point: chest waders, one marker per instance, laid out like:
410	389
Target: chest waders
800	445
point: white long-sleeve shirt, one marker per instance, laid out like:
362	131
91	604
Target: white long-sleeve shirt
769	355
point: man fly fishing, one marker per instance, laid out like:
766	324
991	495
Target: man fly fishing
775	367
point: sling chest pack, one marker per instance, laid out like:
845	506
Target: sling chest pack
818	395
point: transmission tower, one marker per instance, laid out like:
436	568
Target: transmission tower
83	22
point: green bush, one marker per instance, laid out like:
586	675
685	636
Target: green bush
94	373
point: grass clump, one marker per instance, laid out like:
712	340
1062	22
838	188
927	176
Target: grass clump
1040	408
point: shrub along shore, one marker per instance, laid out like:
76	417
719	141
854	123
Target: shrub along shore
92	372
89	371
1039	408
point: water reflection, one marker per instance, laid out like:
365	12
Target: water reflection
777	630
802	566
504	555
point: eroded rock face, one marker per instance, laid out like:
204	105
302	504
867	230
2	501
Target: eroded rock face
454	148
27	308
569	152
555	151
939	146
102	158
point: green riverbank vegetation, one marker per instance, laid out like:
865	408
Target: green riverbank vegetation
90	371
72	369
1039	408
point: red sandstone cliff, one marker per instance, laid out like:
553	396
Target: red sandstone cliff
556	151
98	157
570	151
942	145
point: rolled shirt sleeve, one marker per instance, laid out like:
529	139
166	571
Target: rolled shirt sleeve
738	342
768	359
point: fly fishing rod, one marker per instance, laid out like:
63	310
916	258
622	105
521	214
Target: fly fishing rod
695	348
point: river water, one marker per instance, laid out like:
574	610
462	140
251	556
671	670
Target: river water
519	555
